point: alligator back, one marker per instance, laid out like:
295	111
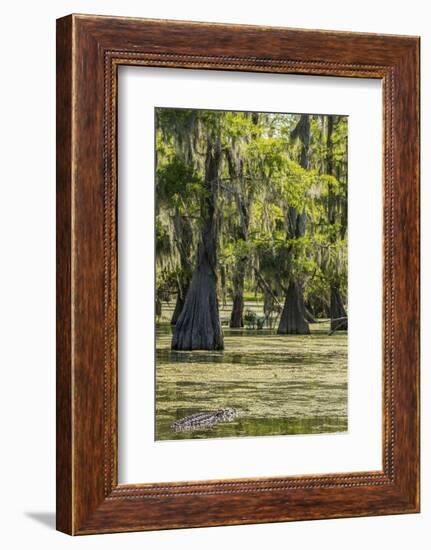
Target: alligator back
205	419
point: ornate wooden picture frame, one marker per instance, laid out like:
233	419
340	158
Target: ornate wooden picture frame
89	51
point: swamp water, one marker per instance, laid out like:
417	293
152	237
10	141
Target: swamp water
278	384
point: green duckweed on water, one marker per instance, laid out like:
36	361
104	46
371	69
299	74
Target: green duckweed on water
278	384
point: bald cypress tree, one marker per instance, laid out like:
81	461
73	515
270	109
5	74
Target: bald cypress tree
293	318
198	327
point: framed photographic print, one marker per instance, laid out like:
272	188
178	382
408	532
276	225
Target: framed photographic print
237	274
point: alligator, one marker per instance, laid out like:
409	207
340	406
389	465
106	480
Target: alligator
203	420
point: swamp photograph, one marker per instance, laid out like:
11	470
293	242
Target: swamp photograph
251	247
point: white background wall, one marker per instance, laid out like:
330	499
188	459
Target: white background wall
27	248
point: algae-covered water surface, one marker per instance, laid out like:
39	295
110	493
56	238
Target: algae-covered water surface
277	384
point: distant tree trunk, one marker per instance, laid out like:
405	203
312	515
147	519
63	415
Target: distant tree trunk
242	201
337	310
268	306
158	307
179	304
183	239
236	317
309	316
293	315
223	285
198	326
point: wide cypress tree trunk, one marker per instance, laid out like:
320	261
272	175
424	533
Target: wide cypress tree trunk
292	319
337	311
198	326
